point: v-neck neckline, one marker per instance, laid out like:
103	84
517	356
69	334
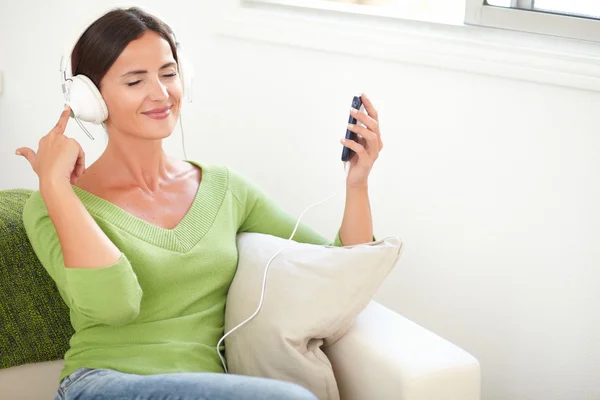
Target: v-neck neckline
190	229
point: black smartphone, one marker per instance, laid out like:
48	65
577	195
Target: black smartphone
346	152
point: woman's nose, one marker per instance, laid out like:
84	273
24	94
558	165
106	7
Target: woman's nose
159	91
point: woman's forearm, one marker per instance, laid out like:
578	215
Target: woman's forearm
83	243
357	224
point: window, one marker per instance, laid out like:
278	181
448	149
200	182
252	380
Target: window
577	19
571	7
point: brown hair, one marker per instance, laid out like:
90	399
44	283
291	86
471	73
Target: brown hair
106	38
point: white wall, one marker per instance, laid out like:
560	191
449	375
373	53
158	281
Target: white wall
491	182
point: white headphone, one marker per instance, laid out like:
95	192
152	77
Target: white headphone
85	100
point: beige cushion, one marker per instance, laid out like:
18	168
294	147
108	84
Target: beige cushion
312	296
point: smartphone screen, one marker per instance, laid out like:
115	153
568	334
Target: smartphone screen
346	152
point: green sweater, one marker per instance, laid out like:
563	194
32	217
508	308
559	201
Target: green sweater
160	308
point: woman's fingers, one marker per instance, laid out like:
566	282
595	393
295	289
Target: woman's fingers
371	119
358	148
369	122
369	107
28	153
80	164
372	140
57	157
61	125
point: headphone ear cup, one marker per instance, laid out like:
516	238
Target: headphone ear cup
86	101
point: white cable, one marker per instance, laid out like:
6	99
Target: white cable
84	129
262	295
182	137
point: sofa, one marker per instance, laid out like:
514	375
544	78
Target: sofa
382	356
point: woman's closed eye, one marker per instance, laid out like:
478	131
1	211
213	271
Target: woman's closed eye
174	74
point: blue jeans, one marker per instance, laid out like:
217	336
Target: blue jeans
105	384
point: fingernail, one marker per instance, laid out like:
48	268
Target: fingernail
350	126
352	110
66	107
18	152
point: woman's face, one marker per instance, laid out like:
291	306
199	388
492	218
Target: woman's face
142	89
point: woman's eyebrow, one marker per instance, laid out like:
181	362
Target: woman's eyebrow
143	71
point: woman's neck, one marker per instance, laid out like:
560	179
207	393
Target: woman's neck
136	163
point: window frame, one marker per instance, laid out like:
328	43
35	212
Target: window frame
479	13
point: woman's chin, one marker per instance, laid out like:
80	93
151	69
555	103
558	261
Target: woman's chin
160	130
160	134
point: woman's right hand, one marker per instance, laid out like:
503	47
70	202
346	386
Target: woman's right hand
58	157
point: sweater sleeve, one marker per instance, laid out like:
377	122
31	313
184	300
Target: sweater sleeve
261	214
108	295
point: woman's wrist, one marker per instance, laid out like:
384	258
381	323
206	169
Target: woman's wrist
54	187
357	188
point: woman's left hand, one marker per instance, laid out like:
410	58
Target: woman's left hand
366	148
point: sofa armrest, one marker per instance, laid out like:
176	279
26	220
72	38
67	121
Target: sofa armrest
386	356
37	381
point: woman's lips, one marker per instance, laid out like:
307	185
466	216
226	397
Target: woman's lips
159	113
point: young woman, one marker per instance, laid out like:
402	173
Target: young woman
142	246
